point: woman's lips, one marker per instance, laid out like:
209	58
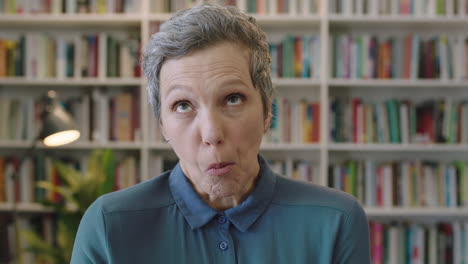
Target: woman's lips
219	169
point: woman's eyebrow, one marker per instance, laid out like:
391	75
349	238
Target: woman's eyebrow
233	82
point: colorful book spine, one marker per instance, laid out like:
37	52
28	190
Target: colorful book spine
295	57
403	183
399	242
294	121
400	121
362	56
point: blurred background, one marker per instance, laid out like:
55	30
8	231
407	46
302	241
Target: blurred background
371	99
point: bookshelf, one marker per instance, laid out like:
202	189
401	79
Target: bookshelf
436	214
322	21
72	20
25	208
325	21
108	82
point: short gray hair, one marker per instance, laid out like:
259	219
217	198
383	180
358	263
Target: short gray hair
202	26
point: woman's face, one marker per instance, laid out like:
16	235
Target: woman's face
213	118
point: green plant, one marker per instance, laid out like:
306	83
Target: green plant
78	190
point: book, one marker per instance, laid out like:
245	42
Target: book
418	242
416	8
294	121
295	56
2	180
372	56
124	117
399	121
404	183
70	7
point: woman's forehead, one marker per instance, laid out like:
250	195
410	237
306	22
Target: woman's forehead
221	64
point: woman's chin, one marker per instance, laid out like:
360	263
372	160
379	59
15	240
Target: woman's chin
224	190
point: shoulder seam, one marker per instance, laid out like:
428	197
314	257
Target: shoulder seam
105	226
349	215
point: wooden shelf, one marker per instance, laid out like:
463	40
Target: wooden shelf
283	82
160	146
288	20
61	20
265	20
111	145
72	82
73	146
159	17
24	208
283	20
290	147
398	213
397	20
399	83
398	147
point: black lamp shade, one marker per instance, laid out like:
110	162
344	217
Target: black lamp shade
58	127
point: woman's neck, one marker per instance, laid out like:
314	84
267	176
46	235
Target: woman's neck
223	203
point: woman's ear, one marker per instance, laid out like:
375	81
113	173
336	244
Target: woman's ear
163	131
267	123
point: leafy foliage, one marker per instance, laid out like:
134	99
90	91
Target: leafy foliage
79	191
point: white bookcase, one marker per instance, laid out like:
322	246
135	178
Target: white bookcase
323	153
381	20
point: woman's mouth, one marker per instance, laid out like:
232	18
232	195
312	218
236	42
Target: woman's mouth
219	169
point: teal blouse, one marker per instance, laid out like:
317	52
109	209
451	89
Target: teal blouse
163	220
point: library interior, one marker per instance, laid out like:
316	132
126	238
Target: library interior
371	99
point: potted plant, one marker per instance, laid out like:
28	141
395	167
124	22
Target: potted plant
78	190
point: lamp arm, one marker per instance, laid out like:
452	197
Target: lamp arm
29	152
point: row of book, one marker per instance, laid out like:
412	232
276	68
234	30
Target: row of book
426	8
127	173
100	116
399	121
413	56
418	243
18	178
295	57
171	6
69	6
115	117
403	183
13	242
291	7
261	7
18	118
59	55
303	170
294	121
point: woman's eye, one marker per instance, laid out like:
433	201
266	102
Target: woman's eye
183	107
234	99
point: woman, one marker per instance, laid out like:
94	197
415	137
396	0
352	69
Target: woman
210	88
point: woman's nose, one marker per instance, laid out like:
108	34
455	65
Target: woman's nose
211	125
